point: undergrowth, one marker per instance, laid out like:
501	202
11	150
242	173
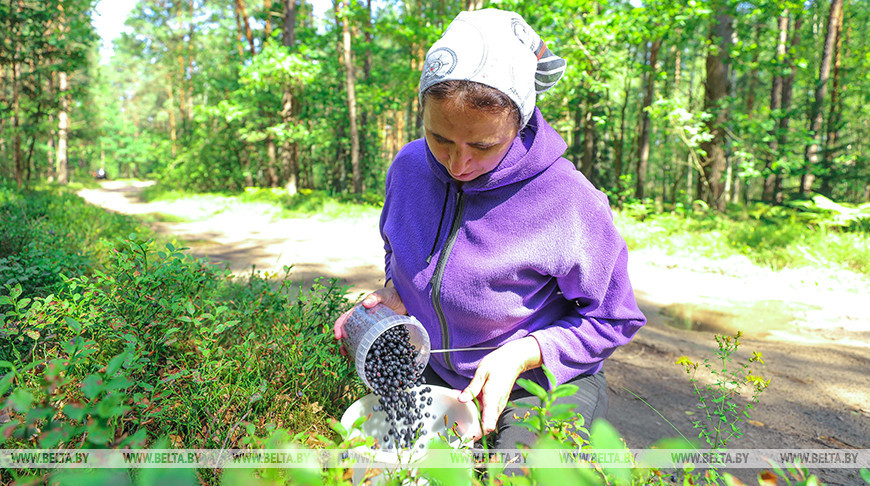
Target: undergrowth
816	233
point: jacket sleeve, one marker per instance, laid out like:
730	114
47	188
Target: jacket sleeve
605	314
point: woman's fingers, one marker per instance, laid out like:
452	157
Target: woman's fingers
492	390
494	380
338	328
473	389
387	296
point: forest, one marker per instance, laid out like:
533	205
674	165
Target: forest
726	102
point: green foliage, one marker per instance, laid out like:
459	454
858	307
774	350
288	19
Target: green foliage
163	345
557	421
797	234
718	401
49	233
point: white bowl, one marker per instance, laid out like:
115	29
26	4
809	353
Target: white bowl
444	403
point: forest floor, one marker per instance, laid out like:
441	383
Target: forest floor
812	325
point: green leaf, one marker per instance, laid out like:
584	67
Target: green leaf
6	382
115	363
21	399
865	475
604	436
547	466
74	412
550	376
60	432
358	423
339	428
533	388
92	385
99	435
565	390
458	476
73	324
38	413
563	411
136	440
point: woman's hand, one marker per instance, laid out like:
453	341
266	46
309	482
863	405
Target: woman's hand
387	296
496	375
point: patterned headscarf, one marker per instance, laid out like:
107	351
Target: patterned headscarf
496	48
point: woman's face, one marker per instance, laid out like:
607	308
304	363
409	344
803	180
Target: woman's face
466	141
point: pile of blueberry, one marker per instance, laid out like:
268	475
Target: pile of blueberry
391	371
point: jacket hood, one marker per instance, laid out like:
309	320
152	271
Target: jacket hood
535	149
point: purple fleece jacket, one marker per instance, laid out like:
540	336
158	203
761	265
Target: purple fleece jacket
527	249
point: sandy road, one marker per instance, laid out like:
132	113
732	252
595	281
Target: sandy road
813	327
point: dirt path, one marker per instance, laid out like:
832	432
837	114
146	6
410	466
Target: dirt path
813	327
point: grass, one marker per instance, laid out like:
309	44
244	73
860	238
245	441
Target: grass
274	201
769	236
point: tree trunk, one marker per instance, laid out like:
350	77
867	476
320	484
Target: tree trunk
243	15
190	61
271	167
775	109
173	129
716	88
833	115
787	93
811	154
50	151
267	6
644	133
589	138
288	30
620	141
289	159
350	86
473	4
16	116
365	130
62	166
240	34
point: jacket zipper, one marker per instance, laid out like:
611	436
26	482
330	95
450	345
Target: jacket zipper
439	274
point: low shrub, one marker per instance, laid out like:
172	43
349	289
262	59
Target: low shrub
50	232
166	346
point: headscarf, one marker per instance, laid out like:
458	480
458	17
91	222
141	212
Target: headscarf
496	48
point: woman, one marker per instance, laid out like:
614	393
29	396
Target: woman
493	240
